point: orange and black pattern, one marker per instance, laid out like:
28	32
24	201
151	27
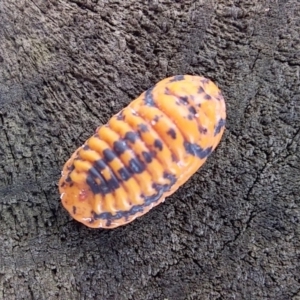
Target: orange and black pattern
144	153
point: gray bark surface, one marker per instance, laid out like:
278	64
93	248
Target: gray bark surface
231	232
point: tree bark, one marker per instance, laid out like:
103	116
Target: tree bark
233	231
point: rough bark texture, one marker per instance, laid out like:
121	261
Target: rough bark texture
233	231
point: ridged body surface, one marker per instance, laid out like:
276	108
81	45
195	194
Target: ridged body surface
144	153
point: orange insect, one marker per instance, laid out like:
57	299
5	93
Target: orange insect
144	153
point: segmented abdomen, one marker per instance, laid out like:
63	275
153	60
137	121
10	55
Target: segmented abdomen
144	153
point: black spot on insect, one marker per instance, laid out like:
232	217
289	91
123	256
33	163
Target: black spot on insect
120	147
96	174
109	217
113	183
74	210
160	188
170	177
200	90
63	184
196	150
219	126
192	110
143	127
147	157
184	100
108	222
136	166
131	136
109	155
156	118
100	165
202	130
95	187
124	173
85	147
68	179
190	117
71	168
171	132
149	101
158	144
207	97
177	78
99	185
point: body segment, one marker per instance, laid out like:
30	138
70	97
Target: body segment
144	153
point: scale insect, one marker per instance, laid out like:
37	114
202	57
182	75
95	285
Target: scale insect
144	153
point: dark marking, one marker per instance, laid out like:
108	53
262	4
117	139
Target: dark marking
71	168
100	165
184	100
156	118
196	150
68	179
63	184
120	147
96	188
85	147
105	186
136	166
177	78
95	173
200	90
202	130
109	155
131	136
192	110
147	157
218	128
113	183
171	177
124	173
171	132
109	217
143	127
158	144
190	117
160	189
149	101
74	210
207	97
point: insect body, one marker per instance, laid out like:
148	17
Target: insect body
144	153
